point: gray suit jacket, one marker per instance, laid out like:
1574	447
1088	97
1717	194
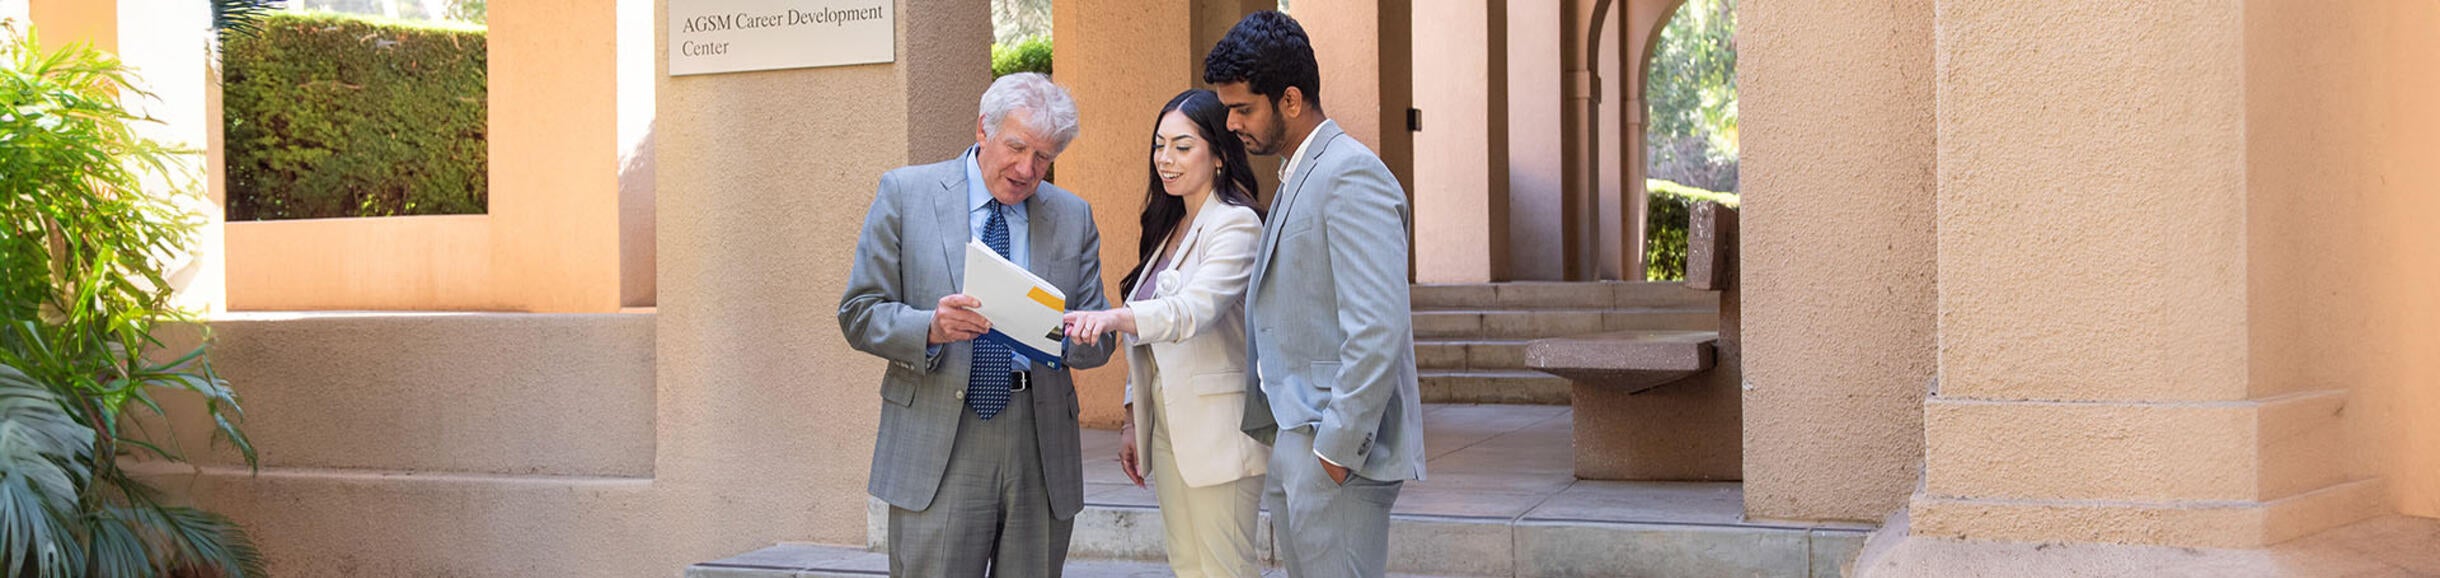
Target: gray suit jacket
911	254
1330	326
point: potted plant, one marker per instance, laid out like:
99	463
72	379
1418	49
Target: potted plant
83	287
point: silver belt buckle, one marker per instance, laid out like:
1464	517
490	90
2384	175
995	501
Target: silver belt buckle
1020	381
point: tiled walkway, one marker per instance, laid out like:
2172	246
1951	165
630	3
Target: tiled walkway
1501	500
1489	461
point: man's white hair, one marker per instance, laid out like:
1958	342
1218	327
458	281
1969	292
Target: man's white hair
1052	112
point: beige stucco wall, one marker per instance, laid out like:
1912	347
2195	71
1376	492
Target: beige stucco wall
2341	193
432	444
437	262
1461	155
469	393
1838	255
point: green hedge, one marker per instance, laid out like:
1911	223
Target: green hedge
1030	55
1668	209
345	116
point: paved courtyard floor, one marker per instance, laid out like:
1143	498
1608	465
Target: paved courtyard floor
1491	461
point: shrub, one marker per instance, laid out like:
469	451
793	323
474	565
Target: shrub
1030	55
346	116
1668	208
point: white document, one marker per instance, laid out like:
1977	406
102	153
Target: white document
1024	310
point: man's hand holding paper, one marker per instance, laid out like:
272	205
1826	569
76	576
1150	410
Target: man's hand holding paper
1020	309
955	320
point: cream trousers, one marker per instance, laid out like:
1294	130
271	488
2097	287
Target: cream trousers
1210	529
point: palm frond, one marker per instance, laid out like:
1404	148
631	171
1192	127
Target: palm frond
233	18
208	540
115	546
43	457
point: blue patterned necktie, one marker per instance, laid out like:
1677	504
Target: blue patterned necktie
987	385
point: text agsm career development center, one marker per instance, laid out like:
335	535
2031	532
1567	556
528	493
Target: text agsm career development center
744	21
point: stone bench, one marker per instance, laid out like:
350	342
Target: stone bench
1661	405
1633	361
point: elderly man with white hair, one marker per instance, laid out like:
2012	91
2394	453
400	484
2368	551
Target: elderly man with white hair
977	454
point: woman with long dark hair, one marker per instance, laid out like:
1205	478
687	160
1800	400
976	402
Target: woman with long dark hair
1185	327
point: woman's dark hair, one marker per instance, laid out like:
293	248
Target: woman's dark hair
1162	212
1269	52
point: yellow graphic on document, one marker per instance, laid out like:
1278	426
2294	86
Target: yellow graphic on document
1046	299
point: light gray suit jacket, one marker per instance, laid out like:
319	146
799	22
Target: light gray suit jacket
911	254
1330	327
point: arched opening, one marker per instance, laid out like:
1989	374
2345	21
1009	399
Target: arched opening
1689	82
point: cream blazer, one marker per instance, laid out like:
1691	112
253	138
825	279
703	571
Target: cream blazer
1193	330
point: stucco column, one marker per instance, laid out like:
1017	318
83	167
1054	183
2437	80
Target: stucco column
1839	248
1537	135
765	416
64	22
554	146
2094	379
1461	155
1365	51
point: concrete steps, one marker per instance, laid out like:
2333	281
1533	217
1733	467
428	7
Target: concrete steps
1494	386
1460	355
1460	325
1470	338
1533	295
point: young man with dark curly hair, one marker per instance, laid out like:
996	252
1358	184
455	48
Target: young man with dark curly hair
1329	324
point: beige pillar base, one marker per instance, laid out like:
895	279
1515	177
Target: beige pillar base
2386	546
2188	524
2205	474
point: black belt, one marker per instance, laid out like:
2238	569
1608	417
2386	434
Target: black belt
1017	381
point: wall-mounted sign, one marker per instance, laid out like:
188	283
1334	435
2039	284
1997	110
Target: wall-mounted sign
712	36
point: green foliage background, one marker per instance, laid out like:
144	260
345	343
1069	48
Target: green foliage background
1691	92
1033	54
347	116
1665	219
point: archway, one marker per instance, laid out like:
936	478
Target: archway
1689	149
